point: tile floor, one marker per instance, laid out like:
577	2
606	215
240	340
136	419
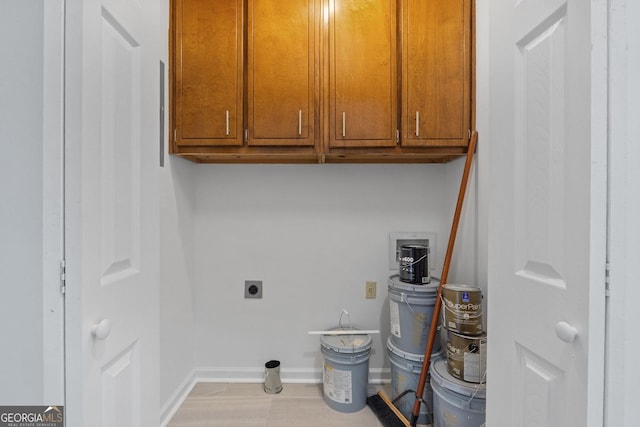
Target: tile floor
247	405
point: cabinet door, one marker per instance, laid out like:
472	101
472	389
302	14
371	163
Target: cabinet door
362	76
208	51
281	72
436	62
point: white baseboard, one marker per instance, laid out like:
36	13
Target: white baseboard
174	402
249	375
291	375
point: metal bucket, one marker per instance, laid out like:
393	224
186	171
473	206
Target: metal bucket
462	309
467	357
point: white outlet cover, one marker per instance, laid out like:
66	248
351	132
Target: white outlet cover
411	235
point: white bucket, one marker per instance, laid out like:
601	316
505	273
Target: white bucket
405	375
346	371
410	313
456	403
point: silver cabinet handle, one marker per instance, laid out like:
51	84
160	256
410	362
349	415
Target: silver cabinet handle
344	124
299	122
566	332
417	123
227	122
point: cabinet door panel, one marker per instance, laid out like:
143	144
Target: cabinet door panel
436	65
209	72
362	56
281	82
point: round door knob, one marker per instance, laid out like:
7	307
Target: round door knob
566	332
101	330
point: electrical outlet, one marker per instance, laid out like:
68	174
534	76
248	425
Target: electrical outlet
370	290
253	288
396	240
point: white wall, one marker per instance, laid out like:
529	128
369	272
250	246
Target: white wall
21	209
623	371
177	273
480	184
313	234
177	269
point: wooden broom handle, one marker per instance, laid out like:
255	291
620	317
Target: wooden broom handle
443	279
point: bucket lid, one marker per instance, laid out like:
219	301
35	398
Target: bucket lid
444	379
412	357
461	288
346	343
395	284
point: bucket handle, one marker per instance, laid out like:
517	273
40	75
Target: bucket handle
426	404
477	387
404	299
344	311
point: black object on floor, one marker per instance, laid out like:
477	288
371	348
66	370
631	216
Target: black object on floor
386	412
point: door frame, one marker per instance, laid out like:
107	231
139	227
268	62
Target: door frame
53	203
73	129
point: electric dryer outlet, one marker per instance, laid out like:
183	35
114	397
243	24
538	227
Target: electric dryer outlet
253	288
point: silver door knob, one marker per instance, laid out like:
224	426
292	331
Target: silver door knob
101	330
566	332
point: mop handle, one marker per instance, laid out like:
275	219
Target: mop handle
443	280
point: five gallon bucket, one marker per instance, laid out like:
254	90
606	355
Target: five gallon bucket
411	311
346	371
462	309
456	403
405	375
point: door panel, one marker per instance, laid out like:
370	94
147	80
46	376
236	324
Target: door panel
281	72
547	227
436	61
539	151
120	390
120	172
209	72
362	80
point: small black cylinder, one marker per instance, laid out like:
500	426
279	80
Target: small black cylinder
414	264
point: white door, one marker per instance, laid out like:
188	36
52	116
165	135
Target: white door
113	49
547	231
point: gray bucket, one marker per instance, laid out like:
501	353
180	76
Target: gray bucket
346	371
405	375
456	403
410	312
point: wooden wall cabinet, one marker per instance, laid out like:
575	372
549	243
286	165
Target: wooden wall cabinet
362	63
436	78
281	72
245	80
208	73
294	81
